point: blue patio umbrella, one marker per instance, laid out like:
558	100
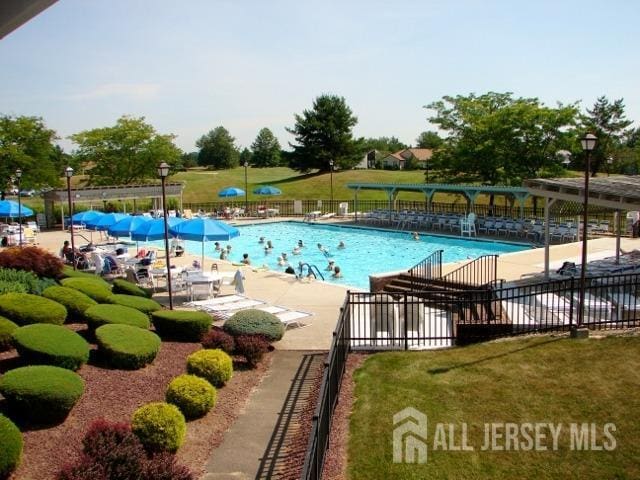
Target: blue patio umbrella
9	208
105	221
82	218
127	225
204	230
153	229
267	190
231	192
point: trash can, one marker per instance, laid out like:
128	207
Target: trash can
343	209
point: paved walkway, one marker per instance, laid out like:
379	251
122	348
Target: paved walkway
253	447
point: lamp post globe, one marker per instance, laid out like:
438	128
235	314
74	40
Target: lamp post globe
163	173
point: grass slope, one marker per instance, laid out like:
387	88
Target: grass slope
528	380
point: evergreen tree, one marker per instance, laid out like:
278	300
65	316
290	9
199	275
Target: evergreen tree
266	149
217	149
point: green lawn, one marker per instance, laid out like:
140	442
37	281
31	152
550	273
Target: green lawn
542	379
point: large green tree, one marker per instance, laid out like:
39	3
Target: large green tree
266	150
324	134
429	139
218	149
125	153
383	144
496	138
27	144
607	121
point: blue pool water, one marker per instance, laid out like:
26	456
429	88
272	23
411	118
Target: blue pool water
367	250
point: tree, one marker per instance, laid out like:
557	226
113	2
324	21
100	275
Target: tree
217	149
324	134
606	120
27	144
126	153
266	149
383	144
429	139
189	160
496	138
246	156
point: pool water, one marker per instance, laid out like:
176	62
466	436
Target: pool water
367	250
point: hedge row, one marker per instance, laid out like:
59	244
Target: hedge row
74	300
95	287
181	324
104	314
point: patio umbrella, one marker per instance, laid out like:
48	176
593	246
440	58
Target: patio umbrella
82	218
9	208
231	192
105	221
267	190
126	226
153	229
204	230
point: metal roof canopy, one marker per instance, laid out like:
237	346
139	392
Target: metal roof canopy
618	193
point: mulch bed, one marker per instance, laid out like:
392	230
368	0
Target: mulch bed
115	394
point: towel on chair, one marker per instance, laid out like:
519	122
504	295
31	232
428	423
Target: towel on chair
238	281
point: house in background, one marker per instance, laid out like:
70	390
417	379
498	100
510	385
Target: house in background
368	160
421	156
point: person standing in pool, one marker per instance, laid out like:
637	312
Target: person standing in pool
336	272
341	245
245	259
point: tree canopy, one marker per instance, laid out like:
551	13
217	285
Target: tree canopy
324	134
27	144
383	144
500	139
429	139
218	149
266	150
125	153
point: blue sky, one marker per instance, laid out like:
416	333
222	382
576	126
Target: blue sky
192	65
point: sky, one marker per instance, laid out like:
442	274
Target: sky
192	65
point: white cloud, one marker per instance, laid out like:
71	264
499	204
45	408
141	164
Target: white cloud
135	91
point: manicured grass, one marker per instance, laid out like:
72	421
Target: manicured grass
542	379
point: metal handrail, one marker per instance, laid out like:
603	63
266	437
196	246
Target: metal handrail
428	269
481	271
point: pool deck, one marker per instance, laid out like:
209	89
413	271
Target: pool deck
324	300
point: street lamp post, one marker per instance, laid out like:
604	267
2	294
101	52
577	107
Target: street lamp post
331	174
163	173
18	177
588	143
246	190
609	164
68	172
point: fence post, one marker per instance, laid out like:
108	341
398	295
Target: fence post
571	309
406	321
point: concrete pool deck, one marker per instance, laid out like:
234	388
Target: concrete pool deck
324	300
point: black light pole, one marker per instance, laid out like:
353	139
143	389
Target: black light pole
588	144
68	172
331	173
18	177
163	173
246	190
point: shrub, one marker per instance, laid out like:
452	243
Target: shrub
32	259
218	338
104	314
159	426
255	322
12	287
24	308
252	348
194	396
123	286
7	328
51	345
181	324
10	446
213	365
145	305
23	282
95	288
127	347
163	466
42	393
69	272
75	301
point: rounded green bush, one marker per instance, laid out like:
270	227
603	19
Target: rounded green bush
255	322
181	324
159	426
123	286
10	446
145	305
95	288
24	309
7	328
51	345
106	313
69	272
194	396
75	301
127	347
42	393
213	365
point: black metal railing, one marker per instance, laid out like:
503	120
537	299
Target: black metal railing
428	269
334	368
481	271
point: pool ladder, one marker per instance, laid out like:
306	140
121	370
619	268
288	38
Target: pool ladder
311	270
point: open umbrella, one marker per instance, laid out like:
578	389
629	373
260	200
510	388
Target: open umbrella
82	218
231	192
204	230
9	208
153	229
267	190
105	221
126	226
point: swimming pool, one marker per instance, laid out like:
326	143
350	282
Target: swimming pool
367	250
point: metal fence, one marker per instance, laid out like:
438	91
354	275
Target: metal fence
428	269
481	271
